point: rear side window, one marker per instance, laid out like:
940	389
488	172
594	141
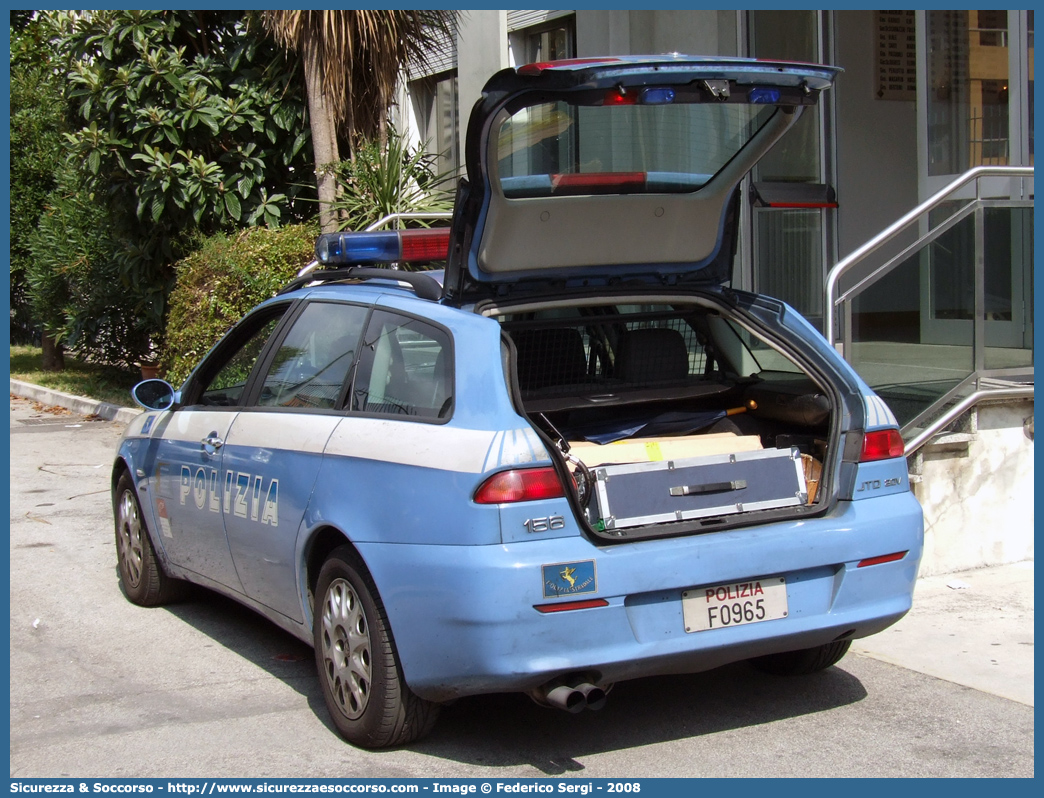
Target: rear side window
310	367
405	369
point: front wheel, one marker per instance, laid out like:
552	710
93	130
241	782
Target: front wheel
141	575
359	669
806	660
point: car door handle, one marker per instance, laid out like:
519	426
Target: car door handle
212	441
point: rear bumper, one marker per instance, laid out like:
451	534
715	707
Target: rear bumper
464	621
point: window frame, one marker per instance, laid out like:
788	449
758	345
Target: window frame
229	346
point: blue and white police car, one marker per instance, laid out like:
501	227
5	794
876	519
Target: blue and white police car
573	457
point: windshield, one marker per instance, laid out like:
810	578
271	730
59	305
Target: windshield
556	148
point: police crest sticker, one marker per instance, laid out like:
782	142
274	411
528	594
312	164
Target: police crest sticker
569	579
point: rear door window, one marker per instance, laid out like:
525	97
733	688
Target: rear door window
405	369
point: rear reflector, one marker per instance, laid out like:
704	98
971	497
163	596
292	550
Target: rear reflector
520	485
881	444
883	558
571	605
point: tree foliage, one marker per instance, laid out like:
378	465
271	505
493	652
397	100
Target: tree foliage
352	60
361	54
37	121
74	278
184	121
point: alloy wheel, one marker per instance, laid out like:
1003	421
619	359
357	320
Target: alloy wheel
128	535
346	649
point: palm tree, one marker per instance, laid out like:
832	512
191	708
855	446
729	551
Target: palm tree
352	61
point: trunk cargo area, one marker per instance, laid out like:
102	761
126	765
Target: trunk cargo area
672	419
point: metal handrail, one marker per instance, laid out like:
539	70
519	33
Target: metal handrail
900	224
394	217
954	412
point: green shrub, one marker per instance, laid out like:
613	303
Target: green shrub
223	279
390	178
74	284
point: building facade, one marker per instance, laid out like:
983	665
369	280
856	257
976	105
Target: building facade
925	96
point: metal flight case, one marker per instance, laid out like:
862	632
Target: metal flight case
634	494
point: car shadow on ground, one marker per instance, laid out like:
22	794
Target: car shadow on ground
252	637
484	730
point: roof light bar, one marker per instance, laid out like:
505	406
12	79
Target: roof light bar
385	246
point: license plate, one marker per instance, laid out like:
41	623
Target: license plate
735	604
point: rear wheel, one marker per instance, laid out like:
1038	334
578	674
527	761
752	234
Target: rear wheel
806	660
141	575
359	669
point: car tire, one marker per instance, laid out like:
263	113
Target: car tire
359	669
804	661
142	577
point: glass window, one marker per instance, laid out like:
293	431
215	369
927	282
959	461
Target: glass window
751	349
790	36
405	369
551	42
790	257
789	244
310	367
1029	87
435	105
968	90
225	388
557	149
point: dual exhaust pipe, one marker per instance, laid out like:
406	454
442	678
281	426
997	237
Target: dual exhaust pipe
571	697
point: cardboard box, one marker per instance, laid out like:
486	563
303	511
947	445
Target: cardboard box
652	450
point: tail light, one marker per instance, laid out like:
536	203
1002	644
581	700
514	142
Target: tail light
520	485
881	444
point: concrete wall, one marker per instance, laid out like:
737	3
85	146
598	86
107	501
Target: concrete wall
651	32
876	156
978	506
482	49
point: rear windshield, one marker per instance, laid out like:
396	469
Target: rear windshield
556	148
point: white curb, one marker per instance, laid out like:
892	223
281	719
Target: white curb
78	404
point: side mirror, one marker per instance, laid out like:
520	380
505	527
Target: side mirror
154	394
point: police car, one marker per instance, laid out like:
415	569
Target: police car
573	457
